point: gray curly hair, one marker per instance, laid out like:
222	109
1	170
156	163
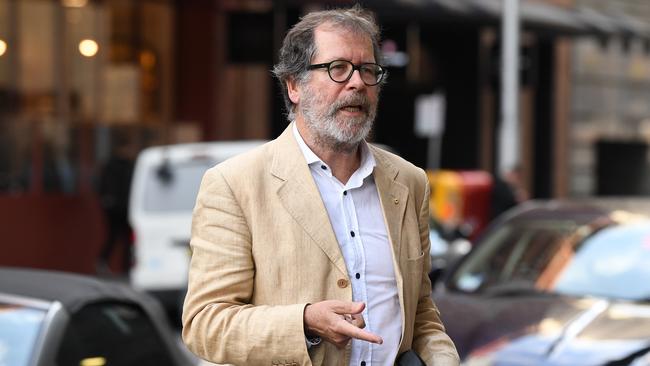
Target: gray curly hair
299	48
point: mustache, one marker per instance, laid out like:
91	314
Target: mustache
356	99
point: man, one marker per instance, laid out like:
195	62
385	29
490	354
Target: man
313	249
114	190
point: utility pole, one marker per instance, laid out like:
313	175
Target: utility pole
509	141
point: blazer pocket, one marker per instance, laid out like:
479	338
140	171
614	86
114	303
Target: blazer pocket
415	264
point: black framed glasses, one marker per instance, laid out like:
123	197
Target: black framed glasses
341	71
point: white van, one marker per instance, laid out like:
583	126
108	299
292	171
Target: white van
165	182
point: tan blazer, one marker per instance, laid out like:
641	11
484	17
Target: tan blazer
263	247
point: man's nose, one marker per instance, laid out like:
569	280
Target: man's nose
355	80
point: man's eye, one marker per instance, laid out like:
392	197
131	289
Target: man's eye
370	71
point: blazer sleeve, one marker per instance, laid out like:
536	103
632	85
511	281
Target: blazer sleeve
219	322
430	340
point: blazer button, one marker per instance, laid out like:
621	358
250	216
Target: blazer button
343	283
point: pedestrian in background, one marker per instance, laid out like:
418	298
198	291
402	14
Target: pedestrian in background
114	189
507	191
313	249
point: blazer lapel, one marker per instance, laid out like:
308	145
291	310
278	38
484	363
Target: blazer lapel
300	196
393	196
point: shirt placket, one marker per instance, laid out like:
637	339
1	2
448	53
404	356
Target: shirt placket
357	269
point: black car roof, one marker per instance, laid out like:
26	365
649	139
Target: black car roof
72	290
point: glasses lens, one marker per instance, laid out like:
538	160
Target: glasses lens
340	70
371	74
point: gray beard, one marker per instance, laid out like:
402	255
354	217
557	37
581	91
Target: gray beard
324	124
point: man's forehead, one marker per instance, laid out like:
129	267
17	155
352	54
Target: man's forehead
334	36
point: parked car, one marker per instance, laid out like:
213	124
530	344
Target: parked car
166	180
55	318
553	283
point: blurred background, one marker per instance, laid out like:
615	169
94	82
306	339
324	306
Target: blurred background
83	82
535	136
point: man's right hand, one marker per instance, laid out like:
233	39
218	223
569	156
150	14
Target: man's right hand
337	321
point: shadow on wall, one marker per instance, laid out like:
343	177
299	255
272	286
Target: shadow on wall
51	232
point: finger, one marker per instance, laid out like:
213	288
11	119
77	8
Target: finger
348	307
353	331
357	321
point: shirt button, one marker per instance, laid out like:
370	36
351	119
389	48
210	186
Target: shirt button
357	276
352	233
363	363
323	167
342	283
345	193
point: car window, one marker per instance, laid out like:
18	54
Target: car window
19	329
515	252
613	263
112	334
173	187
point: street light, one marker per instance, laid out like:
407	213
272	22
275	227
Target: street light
88	47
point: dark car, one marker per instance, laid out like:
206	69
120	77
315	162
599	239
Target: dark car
553	283
54	318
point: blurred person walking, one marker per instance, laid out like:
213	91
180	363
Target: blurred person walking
507	191
313	249
114	189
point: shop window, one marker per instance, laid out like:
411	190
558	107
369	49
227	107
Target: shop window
69	72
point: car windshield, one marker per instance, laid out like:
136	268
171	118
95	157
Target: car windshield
19	329
544	257
613	263
113	334
516	252
173	187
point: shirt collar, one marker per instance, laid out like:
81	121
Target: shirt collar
367	159
306	151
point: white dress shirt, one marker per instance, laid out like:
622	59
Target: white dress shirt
357	218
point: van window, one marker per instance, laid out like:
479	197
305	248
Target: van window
174	186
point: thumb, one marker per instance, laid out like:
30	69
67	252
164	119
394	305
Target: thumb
348	307
356	307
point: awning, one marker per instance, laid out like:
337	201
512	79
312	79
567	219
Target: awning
535	15
617	25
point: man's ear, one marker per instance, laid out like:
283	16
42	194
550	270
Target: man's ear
293	90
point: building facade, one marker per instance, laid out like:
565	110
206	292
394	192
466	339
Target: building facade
610	114
80	78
